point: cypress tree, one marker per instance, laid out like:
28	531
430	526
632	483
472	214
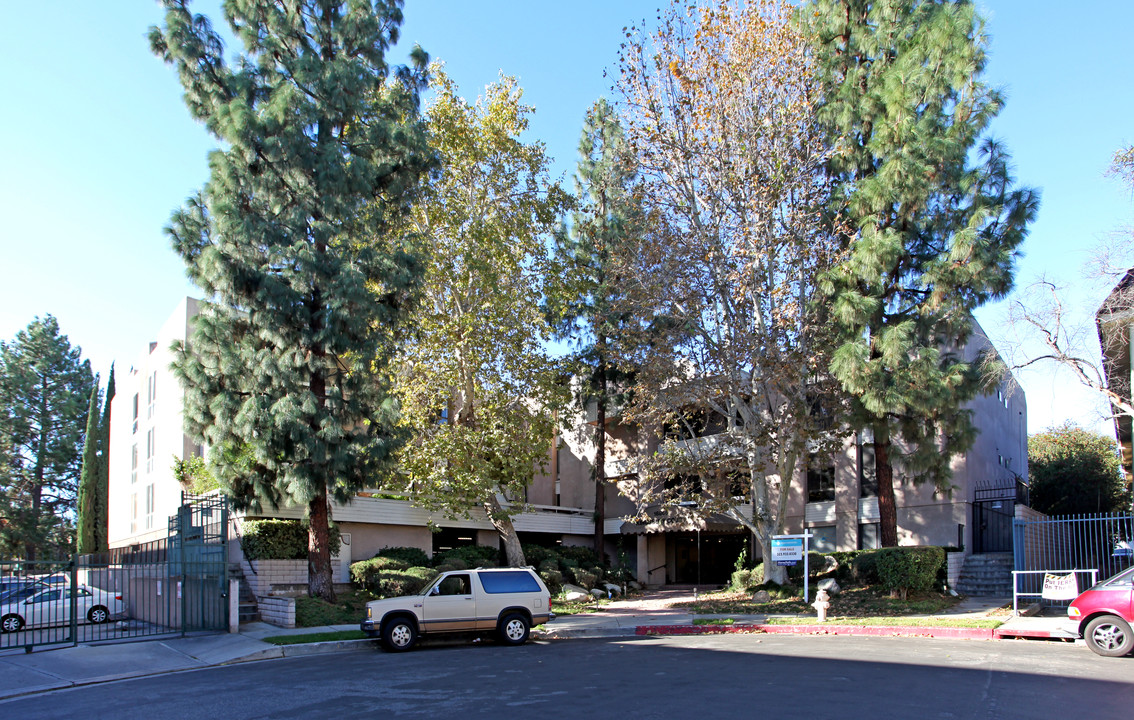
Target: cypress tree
86	510
102	498
935	222
292	242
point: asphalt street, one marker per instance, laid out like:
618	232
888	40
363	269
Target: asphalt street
648	677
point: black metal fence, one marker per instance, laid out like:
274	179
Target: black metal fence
170	586
1101	542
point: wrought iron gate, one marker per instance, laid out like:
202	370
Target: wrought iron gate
992	526
1101	542
170	586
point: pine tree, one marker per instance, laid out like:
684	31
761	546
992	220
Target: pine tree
583	303
291	240
45	388
935	233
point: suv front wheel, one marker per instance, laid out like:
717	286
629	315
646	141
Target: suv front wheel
514	628
399	635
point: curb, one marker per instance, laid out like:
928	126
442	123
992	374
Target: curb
870	630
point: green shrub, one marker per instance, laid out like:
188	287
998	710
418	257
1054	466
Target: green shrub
280	539
864	568
742	580
549	565
472	556
274	540
581	554
537	555
583	578
815	565
554	581
903	569
411	556
388	577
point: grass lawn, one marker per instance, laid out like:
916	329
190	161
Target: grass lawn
860	602
562	607
315	637
350	608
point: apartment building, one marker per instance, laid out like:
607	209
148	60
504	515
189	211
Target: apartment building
837	503
147	436
834	498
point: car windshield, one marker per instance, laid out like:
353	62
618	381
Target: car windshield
1124	577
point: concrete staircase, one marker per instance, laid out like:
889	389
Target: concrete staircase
987	575
248	608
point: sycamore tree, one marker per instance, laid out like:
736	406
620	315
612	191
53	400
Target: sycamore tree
93	504
583	301
477	387
321	146
45	387
730	348
934	222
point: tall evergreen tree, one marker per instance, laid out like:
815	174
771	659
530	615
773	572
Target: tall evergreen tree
86	514
322	147
583	303
45	387
935	234
102	499
92	518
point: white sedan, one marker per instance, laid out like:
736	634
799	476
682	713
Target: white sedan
52	606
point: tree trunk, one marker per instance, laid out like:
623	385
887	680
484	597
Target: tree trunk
762	519
320	583
884	471
600	460
513	553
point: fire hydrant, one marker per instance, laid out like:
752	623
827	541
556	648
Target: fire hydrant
821	604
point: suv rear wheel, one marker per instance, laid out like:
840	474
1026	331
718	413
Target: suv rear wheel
514	628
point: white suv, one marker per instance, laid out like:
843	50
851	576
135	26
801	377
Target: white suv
509	601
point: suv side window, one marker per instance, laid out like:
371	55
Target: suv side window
510	581
455	585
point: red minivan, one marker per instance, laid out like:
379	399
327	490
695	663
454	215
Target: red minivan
1105	613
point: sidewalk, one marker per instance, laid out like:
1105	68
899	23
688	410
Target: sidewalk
48	669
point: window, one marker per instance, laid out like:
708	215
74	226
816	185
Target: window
868	536
151	394
820	479
823	538
511	581
150	451
134	464
867	479
133	512
454	585
135	412
150	506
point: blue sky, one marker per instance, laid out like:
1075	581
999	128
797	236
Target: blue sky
98	148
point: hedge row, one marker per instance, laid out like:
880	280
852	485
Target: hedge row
280	539
898	570
388	570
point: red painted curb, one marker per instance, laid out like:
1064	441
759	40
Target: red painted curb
875	630
1042	634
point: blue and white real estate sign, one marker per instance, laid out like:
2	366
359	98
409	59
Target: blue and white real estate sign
787	550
